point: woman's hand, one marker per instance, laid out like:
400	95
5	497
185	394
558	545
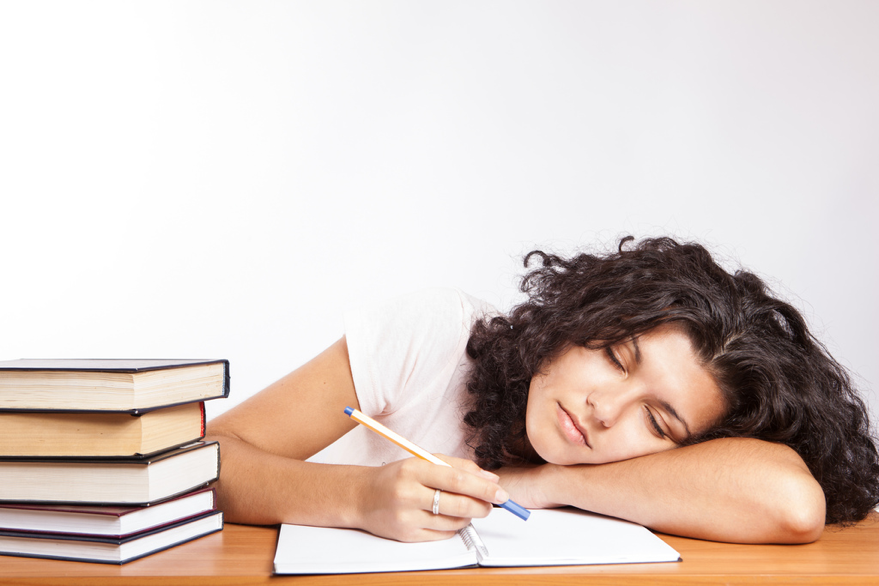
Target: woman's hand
396	500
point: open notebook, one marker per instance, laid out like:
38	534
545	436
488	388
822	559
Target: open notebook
550	537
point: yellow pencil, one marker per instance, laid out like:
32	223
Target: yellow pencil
386	433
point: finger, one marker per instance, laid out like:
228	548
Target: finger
453	513
443	504
432	528
463	483
427	534
469	466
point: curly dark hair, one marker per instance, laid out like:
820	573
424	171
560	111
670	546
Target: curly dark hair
779	382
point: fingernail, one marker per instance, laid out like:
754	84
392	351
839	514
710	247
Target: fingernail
501	496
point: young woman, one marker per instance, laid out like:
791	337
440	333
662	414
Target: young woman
647	384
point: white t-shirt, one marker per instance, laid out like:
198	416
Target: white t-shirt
410	371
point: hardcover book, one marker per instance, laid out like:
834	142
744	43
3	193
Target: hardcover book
45	434
103	521
107	550
122	385
108	481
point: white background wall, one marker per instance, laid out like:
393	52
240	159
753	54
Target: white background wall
220	179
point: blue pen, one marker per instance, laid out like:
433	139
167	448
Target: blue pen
383	431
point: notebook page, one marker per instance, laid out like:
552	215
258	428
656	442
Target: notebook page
322	550
567	537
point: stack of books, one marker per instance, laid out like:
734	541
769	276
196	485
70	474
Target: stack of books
102	460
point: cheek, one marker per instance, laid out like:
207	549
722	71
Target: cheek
536	424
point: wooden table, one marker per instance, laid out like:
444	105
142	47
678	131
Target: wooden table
243	555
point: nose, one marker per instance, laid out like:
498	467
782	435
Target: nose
608	405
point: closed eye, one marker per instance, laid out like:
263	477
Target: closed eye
613	358
654	423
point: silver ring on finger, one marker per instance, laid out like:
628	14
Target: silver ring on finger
436	496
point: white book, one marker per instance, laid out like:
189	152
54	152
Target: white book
550	537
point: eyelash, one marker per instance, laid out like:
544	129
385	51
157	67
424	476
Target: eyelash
654	423
650	417
614	359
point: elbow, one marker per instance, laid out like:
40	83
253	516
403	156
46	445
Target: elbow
801	516
804	527
218	432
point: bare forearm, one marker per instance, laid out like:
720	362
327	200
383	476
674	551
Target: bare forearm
260	488
394	500
736	490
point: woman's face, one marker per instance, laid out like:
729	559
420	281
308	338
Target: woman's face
639	397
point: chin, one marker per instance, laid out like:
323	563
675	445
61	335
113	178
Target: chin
570	461
541	450
558	457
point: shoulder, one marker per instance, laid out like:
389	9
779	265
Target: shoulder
410	341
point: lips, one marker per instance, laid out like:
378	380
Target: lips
572	431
